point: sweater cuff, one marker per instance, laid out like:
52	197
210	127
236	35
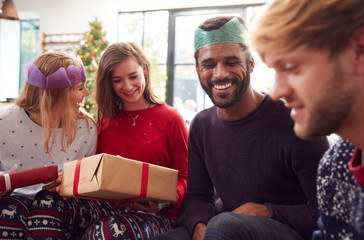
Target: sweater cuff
270	210
356	167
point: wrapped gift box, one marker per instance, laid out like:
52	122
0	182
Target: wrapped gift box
109	177
10	181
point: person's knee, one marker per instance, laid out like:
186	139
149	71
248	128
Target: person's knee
227	226
45	203
178	233
45	200
219	221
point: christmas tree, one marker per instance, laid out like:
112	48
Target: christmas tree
93	45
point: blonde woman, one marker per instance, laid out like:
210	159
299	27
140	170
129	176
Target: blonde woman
45	126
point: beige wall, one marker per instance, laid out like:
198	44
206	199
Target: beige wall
69	16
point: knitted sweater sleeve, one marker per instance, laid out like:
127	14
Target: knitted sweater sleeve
199	206
178	155
177	151
303	157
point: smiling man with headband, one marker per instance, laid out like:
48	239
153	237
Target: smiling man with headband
243	151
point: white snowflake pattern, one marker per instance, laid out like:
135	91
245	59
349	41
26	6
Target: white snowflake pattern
338	194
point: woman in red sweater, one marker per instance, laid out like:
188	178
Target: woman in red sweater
135	124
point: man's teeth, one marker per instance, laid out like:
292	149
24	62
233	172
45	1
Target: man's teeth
293	111
224	86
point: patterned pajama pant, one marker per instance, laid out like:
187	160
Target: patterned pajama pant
131	224
53	218
13	214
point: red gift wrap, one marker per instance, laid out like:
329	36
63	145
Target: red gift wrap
10	181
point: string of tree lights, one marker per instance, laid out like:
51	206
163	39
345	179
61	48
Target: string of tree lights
93	44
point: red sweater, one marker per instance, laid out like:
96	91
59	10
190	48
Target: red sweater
158	137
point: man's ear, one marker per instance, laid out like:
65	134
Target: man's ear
357	44
251	64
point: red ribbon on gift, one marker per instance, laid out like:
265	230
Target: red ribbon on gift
143	187
76	179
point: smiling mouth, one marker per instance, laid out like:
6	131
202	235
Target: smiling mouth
296	112
131	92
222	86
77	107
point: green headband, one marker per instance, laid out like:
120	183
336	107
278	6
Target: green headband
231	32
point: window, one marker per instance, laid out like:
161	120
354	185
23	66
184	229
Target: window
29	45
9	59
167	39
150	31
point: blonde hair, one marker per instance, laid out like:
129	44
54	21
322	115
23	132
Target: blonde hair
321	24
108	102
42	101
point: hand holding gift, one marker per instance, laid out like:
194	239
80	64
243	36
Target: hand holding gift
54	186
5	193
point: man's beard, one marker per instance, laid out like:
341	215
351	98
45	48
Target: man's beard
332	109
242	86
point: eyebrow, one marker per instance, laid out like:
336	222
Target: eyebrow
276	63
133	73
80	84
207	60
232	58
225	58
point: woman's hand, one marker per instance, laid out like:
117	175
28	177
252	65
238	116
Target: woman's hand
54	186
150	206
5	193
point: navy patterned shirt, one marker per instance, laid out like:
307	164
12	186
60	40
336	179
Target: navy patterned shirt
340	198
